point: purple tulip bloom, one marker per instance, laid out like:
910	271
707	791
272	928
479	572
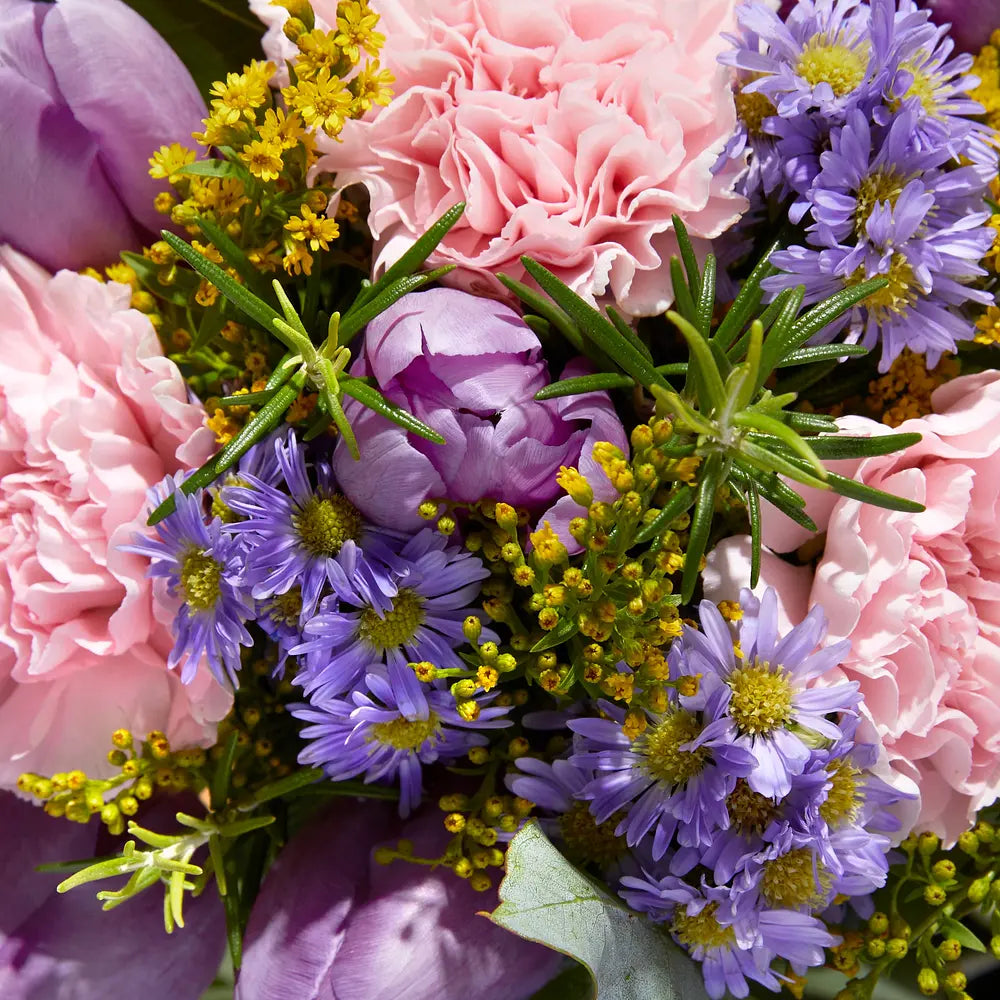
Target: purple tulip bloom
469	367
90	92
971	20
330	922
64	946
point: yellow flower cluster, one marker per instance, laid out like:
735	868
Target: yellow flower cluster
987	67
905	389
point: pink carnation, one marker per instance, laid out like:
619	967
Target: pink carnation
918	595
91	414
572	129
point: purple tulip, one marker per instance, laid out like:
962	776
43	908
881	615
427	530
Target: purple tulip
331	924
90	92
65	946
971	20
469	367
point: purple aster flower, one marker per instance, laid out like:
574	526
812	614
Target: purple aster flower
665	780
927	278
875	185
391	731
558	787
920	69
760	704
308	537
825	57
731	946
433	582
203	567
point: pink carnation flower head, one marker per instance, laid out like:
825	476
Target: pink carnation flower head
573	130
91	415
918	595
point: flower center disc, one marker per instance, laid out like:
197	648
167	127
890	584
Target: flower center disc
661	744
749	811
588	840
325	523
701	929
843	800
199	582
878	186
404	734
752	109
832	62
286	609
896	297
791	880
399	625
761	700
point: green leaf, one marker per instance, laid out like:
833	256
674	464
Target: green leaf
551	313
682	294
545	899
951	928
623	327
358	317
219	790
584	383
414	257
746	302
242	298
374	400
828	310
599	329
769	425
688	256
679	502
701	523
564	631
868	494
233	255
753	511
822	352
776	346
179	293
706	303
702	361
841	446
262	423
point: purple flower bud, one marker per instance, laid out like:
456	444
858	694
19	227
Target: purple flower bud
971	20
469	367
331	922
90	92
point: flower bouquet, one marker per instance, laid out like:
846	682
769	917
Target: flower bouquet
499	499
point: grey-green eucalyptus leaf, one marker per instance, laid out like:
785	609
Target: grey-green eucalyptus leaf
545	899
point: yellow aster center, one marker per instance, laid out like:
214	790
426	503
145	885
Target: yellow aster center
878	186
199	581
702	930
661	745
405	734
794	879
898	295
924	88
752	109
325	523
762	698
825	60
843	800
286	608
587	840
749	811
399	625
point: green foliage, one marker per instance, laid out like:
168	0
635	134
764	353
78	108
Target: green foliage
749	440
544	898
305	365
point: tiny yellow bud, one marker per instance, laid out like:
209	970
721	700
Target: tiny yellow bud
928	843
875	948
878	922
576	485
454	822
979	889
934	895
950	950
896	947
428	510
468	710
943	870
488	652
518	747
480	881
927	981
506	517
128	804
446	525
968	842
479	755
